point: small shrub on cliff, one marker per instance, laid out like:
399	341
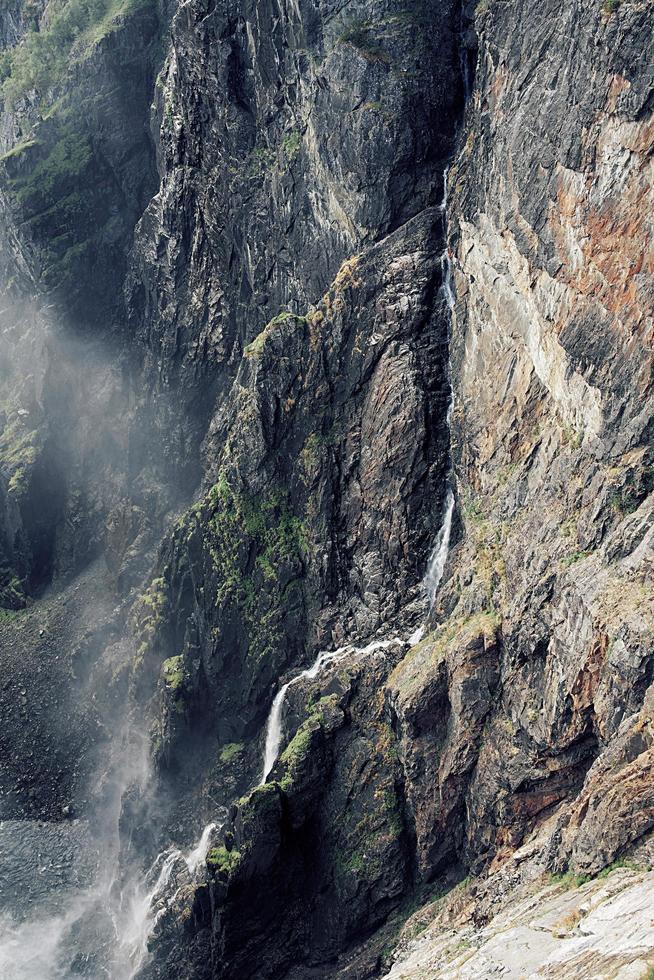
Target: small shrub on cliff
223	862
173	672
569	879
610	7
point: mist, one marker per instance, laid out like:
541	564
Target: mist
83	868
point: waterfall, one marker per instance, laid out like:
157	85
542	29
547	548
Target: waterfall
274	725
431	581
436	565
440	551
442	207
142	908
195	858
325	657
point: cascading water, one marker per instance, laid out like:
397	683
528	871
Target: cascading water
433	575
274	724
438	557
325	657
95	911
436	566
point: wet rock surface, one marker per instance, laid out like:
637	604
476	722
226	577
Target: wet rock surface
226	362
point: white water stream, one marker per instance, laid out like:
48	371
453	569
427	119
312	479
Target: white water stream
120	915
431	581
325	657
67	908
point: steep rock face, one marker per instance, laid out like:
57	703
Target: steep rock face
526	705
313	519
181	234
76	175
289	136
551	199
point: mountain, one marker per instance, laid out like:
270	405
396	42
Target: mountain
326	489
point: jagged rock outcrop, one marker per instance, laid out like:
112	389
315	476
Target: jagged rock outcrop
227	357
552	404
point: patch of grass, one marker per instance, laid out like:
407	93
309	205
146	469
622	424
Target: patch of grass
422	660
569	879
572	437
610	7
359	34
574	558
148	614
19	450
291	144
60	169
72	27
256	545
230	752
260	162
616	865
623	501
256	347
297	750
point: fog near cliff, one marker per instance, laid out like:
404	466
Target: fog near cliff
74	890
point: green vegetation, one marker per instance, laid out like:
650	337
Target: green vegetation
7	615
48	187
610	6
572	437
623	501
295	753
223	862
472	510
423	660
617	864
257	344
260	162
230	752
58	171
42	58
148	614
574	558
291	144
173	672
256	546
19	450
570	880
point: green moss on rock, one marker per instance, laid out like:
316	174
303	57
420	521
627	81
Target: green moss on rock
72	28
173	672
230	752
257	345
223	862
257	547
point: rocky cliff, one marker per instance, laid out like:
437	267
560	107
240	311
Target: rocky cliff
296	295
